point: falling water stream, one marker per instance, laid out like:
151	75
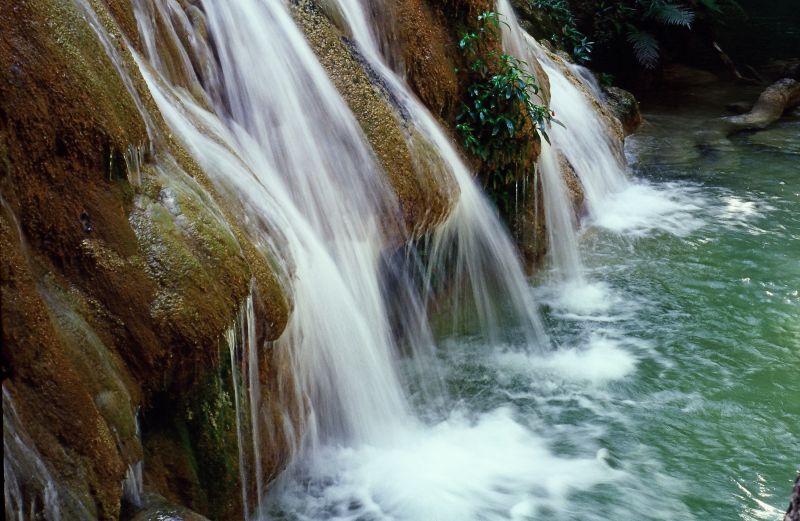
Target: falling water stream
655	379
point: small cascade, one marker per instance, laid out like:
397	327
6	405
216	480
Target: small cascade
29	490
241	340
562	225
134	160
133	485
585	139
473	244
561	221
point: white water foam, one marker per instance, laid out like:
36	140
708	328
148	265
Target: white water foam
603	359
492	469
642	208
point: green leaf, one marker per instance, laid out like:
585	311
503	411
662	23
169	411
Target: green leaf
645	47
671	14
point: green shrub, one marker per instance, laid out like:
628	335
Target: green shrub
570	39
499	114
639	23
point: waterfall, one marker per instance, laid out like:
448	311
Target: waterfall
267	127
283	146
561	222
29	490
584	138
472	242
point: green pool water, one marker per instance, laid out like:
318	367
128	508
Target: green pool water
685	378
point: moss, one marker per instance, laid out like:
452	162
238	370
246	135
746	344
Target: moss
66	116
429	55
210	417
83	59
116	394
193	257
625	108
193	452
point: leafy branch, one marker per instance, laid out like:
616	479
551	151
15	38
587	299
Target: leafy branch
499	113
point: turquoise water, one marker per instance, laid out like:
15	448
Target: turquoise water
680	358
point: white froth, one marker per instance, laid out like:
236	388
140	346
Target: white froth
490	469
642	208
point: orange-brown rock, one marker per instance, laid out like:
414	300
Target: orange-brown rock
107	301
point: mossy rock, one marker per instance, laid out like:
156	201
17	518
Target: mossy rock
192	454
624	106
425	190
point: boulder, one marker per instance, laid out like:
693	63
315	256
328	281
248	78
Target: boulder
772	103
624	106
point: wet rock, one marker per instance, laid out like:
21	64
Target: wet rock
770	106
535	21
624	106
114	292
429	55
793	512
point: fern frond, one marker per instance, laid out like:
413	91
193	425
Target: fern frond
672	14
645	48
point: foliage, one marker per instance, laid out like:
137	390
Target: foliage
640	23
499	114
570	39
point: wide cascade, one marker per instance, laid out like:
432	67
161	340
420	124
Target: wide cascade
330	206
289	276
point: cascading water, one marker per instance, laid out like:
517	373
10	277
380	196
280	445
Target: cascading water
472	241
243	347
560	218
271	132
287	147
470	466
584	139
587	142
591	145
525	435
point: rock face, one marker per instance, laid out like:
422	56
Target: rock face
793	512
121	268
772	103
625	107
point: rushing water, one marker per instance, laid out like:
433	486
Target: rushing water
674	393
671	391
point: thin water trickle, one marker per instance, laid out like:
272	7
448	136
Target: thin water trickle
29	490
